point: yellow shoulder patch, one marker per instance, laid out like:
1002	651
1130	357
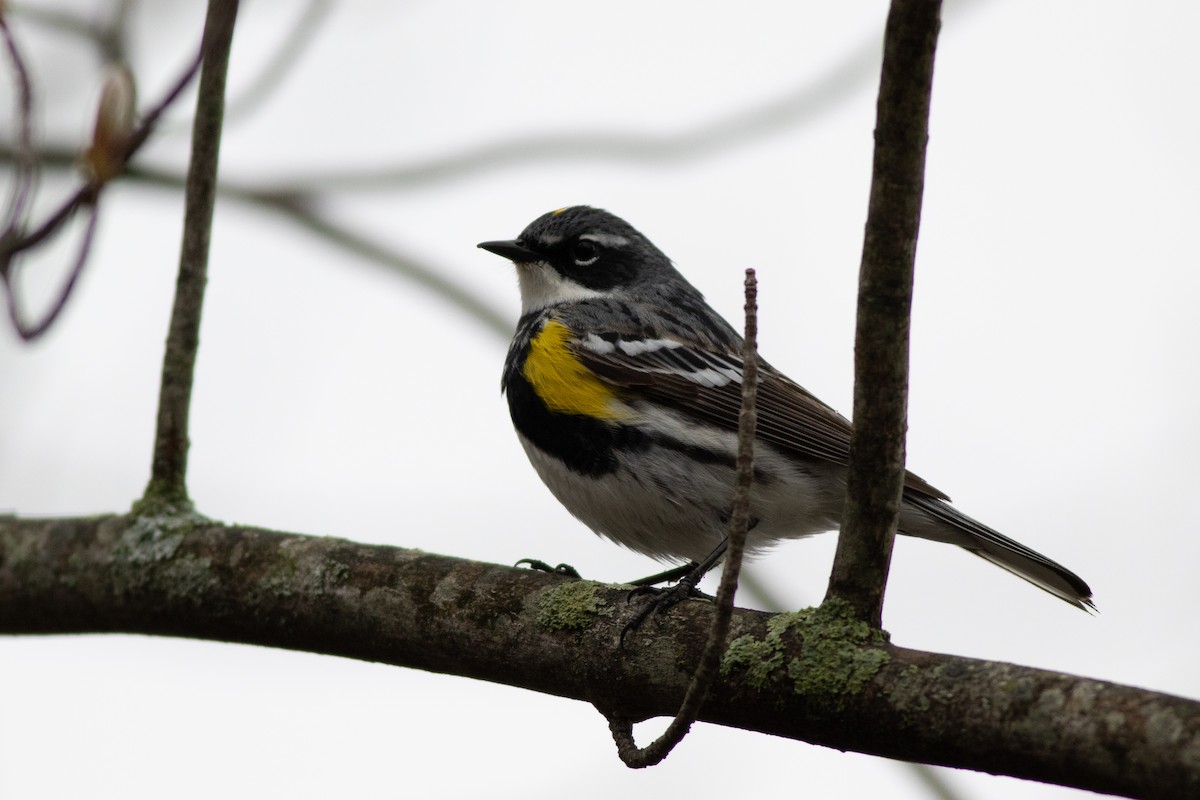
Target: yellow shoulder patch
565	385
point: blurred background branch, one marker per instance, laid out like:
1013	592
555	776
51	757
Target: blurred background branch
108	33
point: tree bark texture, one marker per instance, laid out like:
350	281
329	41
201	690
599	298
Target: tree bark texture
875	475
168	465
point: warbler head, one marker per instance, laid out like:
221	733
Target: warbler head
582	252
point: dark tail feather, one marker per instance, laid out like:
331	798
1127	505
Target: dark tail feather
1000	550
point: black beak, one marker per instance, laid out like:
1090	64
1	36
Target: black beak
512	249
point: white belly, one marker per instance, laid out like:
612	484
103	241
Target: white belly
677	508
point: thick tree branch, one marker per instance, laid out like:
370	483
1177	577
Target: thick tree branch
875	475
814	676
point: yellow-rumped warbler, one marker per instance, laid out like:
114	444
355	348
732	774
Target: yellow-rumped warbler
624	387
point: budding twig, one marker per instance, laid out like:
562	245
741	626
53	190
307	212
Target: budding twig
739	524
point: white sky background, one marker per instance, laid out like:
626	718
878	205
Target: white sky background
1055	365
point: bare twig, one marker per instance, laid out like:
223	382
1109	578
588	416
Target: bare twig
876	470
168	471
739	523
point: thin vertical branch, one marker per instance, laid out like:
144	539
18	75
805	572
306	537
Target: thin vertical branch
168	473
739	525
876	472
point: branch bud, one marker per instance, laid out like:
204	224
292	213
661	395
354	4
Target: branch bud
105	158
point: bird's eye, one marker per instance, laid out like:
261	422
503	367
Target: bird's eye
585	252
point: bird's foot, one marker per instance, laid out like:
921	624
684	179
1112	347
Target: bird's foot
659	599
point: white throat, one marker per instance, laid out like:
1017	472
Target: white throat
543	286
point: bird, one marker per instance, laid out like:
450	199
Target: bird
624	388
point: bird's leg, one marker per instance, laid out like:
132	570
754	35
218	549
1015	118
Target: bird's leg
666	576
662	598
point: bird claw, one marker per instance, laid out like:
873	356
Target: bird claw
659	599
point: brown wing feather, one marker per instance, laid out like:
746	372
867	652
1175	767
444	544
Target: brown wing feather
790	418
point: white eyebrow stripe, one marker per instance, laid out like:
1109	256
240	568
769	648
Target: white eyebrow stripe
606	239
